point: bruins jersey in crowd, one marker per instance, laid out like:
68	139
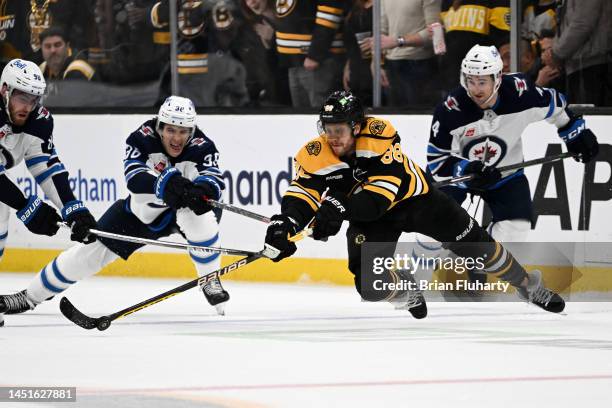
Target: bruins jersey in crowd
377	178
203	27
538	15
22	21
471	22
72	69
308	28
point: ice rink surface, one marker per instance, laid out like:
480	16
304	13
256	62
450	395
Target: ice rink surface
306	346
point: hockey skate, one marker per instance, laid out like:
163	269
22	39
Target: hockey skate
411	300
216	295
536	293
14	304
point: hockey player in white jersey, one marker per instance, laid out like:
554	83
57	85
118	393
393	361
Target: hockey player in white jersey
170	167
26	133
478	128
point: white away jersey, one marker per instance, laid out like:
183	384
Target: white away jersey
461	130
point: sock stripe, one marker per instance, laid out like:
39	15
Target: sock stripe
59	275
47	284
204	260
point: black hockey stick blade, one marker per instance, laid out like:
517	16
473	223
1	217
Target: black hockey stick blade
77	317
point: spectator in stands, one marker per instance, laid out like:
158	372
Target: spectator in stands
583	48
547	74
267	81
409	61
130	49
538	15
309	43
24	21
471	22
208	71
357	76
59	63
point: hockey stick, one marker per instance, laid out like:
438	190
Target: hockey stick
103	322
165	244
237	210
521	165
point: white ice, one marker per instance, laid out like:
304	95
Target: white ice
306	346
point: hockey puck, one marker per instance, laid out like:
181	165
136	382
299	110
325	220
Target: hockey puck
103	323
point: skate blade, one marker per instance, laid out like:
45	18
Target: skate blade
220	307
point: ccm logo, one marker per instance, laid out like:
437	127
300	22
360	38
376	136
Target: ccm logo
575	132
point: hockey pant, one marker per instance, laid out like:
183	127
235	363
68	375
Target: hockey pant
510	205
437	216
82	261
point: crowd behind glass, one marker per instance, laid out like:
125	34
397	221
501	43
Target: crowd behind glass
292	53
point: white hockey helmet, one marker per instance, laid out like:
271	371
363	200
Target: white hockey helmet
482	60
177	111
24	76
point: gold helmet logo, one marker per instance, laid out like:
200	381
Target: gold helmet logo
360	239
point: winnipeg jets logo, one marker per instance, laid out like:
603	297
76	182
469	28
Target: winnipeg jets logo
521	86
146	130
452	104
490	149
470	132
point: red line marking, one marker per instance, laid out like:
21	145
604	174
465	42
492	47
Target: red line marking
82	391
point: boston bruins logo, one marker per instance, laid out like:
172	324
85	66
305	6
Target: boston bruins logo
285	7
313	148
222	16
377	127
360	239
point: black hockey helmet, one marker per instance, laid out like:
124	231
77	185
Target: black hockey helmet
341	107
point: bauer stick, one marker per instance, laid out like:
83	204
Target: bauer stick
104	322
237	210
528	163
165	244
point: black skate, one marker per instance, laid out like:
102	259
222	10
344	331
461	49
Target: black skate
216	295
14	304
536	293
411	300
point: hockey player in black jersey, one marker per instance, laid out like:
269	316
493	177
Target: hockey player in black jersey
478	128
169	165
356	171
26	133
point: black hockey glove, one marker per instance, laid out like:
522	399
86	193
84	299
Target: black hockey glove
484	176
328	218
203	188
194	197
170	187
281	227
80	221
579	140
39	217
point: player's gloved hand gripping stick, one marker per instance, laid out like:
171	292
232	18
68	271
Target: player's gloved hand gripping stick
509	167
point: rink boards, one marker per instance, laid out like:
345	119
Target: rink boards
573	205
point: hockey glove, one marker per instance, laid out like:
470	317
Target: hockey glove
80	221
170	187
195	196
484	176
39	217
579	140
328	218
281	227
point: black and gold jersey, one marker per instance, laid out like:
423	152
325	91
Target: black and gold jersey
308	28
376	179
